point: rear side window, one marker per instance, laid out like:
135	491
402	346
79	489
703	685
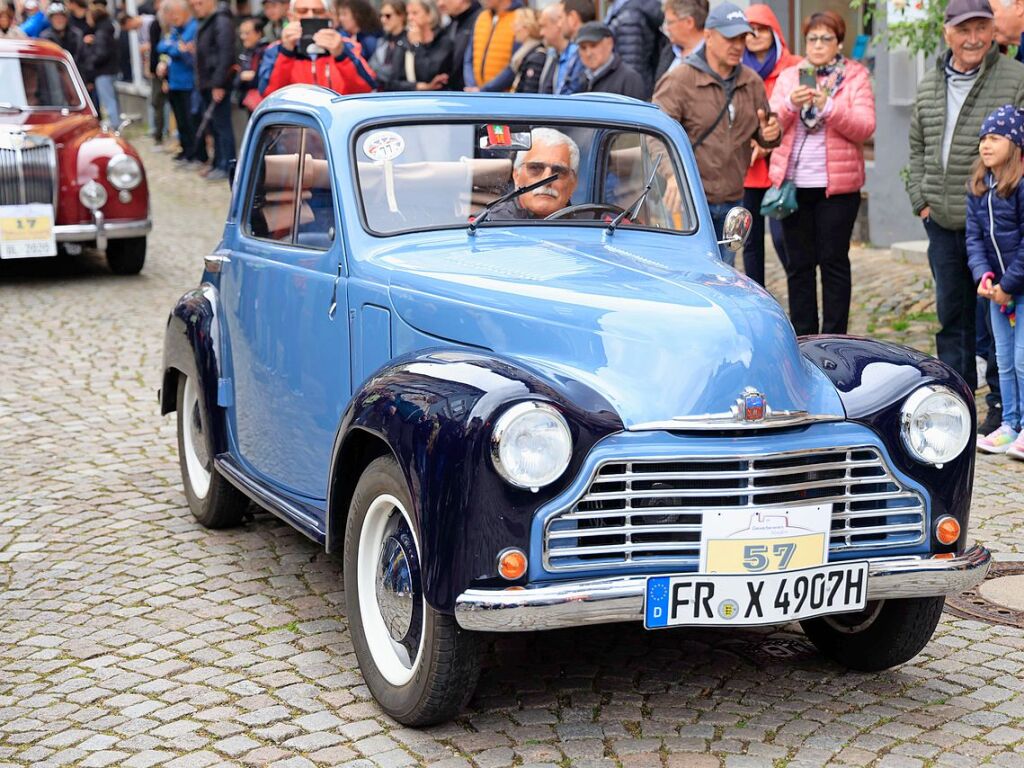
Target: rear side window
272	212
282	208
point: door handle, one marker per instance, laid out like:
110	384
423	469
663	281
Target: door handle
214	262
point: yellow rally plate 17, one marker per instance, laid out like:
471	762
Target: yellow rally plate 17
26	231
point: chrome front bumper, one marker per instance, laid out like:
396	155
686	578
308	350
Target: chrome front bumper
607	600
101	231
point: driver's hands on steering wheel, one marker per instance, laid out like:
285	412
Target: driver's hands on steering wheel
571	211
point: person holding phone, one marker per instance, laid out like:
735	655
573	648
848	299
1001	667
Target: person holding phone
768	55
827	110
312	51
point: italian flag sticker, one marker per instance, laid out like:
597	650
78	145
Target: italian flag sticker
499	135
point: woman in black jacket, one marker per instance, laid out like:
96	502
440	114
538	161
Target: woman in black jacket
100	57
392	20
422	62
528	61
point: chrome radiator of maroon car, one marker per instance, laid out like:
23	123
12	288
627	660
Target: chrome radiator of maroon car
28	169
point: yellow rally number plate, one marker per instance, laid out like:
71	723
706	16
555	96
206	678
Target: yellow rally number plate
26	231
765	541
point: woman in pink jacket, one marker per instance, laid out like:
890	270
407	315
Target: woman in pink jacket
822	155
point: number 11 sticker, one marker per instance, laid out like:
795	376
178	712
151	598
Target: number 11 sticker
766	540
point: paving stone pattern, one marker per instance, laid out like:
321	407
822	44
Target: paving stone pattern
130	636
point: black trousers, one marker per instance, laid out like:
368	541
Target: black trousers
955	299
817	236
753	251
181	105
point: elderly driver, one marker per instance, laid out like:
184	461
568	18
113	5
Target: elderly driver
551	153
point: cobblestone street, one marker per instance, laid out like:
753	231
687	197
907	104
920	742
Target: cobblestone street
130	636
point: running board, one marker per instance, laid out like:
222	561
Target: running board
303	517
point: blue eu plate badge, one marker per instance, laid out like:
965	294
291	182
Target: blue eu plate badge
656	606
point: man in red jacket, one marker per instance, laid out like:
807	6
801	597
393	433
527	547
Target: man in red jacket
341	68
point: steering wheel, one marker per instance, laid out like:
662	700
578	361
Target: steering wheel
579	211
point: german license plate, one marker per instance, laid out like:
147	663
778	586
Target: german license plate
771	598
26	231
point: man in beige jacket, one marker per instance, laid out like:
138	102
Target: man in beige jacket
722	105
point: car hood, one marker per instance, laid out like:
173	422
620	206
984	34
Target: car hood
60	128
660	332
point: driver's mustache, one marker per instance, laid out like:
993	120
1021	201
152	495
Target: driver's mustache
547	191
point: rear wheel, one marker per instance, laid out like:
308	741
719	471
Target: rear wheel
213	500
127	255
420	666
885	634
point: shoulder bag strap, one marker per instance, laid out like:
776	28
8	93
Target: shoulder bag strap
709	131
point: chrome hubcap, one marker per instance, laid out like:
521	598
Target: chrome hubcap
394	589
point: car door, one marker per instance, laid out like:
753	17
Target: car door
284	296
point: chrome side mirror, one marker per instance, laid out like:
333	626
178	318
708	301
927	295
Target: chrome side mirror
736	228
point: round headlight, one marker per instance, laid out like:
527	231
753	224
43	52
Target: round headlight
124	172
92	195
935	424
531	445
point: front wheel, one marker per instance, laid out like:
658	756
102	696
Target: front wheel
213	500
885	634
420	666
127	255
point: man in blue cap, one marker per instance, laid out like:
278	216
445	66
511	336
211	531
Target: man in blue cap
722	105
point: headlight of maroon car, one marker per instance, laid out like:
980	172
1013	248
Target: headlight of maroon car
123	172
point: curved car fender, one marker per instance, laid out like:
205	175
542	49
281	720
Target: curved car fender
191	346
435	411
873	379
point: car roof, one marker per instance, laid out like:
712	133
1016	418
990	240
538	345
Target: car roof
14	46
351	111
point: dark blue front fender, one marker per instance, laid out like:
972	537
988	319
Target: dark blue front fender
873	379
435	412
191	348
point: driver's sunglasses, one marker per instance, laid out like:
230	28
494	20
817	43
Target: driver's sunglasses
536	169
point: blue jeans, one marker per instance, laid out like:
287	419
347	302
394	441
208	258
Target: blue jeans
106	96
1010	358
718	212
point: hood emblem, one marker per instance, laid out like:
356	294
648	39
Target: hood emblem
751	406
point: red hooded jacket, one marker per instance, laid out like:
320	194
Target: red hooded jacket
758	13
346	74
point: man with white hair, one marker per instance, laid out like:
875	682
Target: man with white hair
551	153
1008	16
340	67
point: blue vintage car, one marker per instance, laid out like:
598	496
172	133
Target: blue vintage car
485	348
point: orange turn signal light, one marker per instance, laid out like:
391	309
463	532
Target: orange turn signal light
947	530
512	564
944	556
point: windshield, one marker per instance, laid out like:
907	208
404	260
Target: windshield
431	176
37	83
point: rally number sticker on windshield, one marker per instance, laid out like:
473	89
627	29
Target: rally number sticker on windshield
383	145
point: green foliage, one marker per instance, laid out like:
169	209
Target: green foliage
919	35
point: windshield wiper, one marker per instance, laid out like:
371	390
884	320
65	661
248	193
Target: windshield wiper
12	107
634	208
476	222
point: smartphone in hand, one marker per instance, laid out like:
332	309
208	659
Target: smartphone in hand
807	78
309	28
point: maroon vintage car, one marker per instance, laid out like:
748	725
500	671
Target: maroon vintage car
64	177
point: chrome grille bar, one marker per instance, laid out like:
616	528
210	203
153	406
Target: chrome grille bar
28	170
619	521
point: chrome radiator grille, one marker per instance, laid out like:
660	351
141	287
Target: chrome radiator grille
650	512
28	169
